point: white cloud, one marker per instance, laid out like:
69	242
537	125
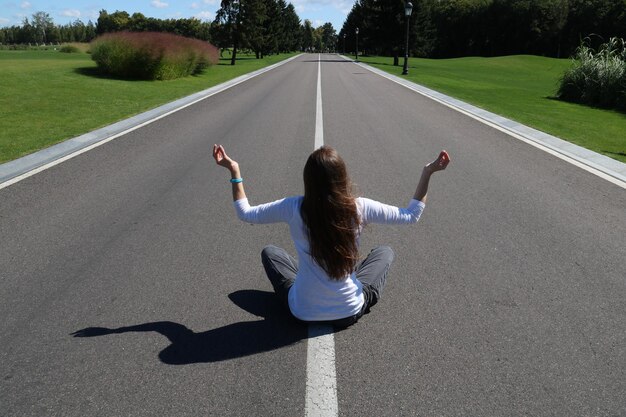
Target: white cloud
4	20
25	5
195	6
158	4
210	2
70	13
205	15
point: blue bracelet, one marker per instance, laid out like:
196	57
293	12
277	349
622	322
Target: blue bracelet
236	180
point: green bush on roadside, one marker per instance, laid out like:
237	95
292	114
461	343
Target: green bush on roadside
69	49
151	55
597	78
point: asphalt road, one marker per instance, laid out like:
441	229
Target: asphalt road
508	298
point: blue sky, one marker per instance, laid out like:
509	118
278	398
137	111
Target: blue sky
13	12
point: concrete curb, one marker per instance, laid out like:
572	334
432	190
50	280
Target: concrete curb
611	168
18	169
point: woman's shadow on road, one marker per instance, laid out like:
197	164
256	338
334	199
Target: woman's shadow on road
235	340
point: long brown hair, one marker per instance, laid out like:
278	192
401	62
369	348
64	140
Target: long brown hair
329	212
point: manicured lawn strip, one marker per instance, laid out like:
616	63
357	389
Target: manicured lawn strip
48	96
520	88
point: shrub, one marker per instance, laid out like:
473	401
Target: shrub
25	47
597	77
69	49
151	55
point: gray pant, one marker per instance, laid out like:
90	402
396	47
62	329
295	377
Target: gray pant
281	269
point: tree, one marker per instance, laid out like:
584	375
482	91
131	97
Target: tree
138	23
42	25
525	26
90	31
355	19
423	32
598	19
228	19
252	20
292	38
308	43
114	22
273	27
327	37
390	28
459	26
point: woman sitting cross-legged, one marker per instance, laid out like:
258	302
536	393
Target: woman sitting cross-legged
328	284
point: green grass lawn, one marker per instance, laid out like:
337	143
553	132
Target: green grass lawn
521	88
48	96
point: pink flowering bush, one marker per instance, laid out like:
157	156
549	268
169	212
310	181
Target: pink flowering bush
151	55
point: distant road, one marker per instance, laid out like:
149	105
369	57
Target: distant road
507	299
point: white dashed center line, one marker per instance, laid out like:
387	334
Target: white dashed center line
321	380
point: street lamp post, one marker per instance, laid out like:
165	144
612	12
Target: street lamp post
408	8
357	44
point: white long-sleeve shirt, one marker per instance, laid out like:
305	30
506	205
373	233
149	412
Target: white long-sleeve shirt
314	296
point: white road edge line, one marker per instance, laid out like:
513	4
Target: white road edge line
537	145
321	378
229	84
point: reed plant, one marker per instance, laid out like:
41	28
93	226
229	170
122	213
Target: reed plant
597	77
151	55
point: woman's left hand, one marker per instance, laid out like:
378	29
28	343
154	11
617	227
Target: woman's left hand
440	163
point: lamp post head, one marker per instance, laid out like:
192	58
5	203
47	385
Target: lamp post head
408	8
357	31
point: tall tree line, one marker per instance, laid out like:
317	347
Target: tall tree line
263	26
453	28
41	29
137	22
